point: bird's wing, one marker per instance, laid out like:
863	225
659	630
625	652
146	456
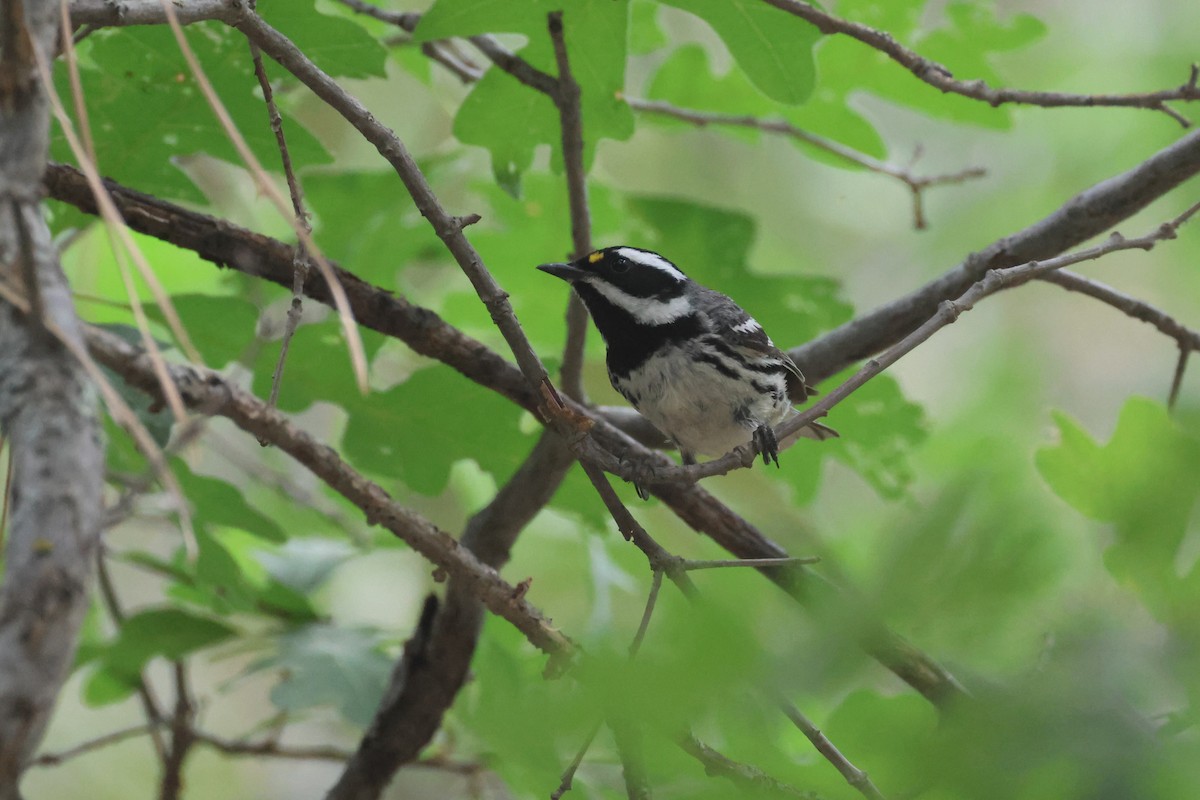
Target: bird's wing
743	332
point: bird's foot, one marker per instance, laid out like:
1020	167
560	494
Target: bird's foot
764	439
640	475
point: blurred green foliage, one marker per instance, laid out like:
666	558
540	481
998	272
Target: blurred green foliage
1054	574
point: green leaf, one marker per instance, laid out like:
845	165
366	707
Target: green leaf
414	431
507	683
881	429
774	48
318	367
376	241
886	734
508	118
217	502
447	18
964	45
220	327
519	233
304	564
157	420
326	665
229	576
686	79
1134	482
169	632
147	111
417	430
645	34
338	45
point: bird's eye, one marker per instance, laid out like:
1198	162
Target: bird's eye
621	264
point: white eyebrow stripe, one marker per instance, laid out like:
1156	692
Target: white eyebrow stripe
646	310
647	259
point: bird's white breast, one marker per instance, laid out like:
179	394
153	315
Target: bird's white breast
704	410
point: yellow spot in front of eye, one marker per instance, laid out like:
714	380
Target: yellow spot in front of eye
594	257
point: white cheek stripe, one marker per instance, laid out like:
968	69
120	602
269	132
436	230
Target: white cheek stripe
650	260
646	310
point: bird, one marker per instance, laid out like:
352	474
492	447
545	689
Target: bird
689	358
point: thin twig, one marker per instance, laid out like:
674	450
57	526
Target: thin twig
154	716
854	776
296	308
358	358
114	223
647	613
632	530
272	748
123	415
447	227
54	759
183	736
449	57
568	776
1126	304
744	776
402	19
6	497
690	565
566	98
214	395
119	232
942	79
1185	351
917	184
514	65
948	311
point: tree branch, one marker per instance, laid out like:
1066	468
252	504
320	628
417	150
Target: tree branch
917	184
426	682
1126	304
948	311
743	776
300	266
566	98
209	393
48	416
1107	203
939	77
854	776
1090	213
447	227
428	334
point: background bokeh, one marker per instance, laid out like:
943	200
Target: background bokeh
943	503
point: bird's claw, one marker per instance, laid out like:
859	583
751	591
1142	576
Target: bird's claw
768	445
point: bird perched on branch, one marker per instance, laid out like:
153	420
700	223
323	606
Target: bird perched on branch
696	365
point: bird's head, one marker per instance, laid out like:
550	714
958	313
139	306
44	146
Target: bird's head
630	270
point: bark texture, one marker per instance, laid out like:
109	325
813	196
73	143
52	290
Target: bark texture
47	415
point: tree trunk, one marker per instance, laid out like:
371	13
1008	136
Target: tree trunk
47	414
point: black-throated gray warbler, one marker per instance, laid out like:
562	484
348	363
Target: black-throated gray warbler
696	365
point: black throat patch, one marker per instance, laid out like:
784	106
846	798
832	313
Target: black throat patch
629	341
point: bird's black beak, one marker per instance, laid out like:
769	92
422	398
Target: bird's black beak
568	272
